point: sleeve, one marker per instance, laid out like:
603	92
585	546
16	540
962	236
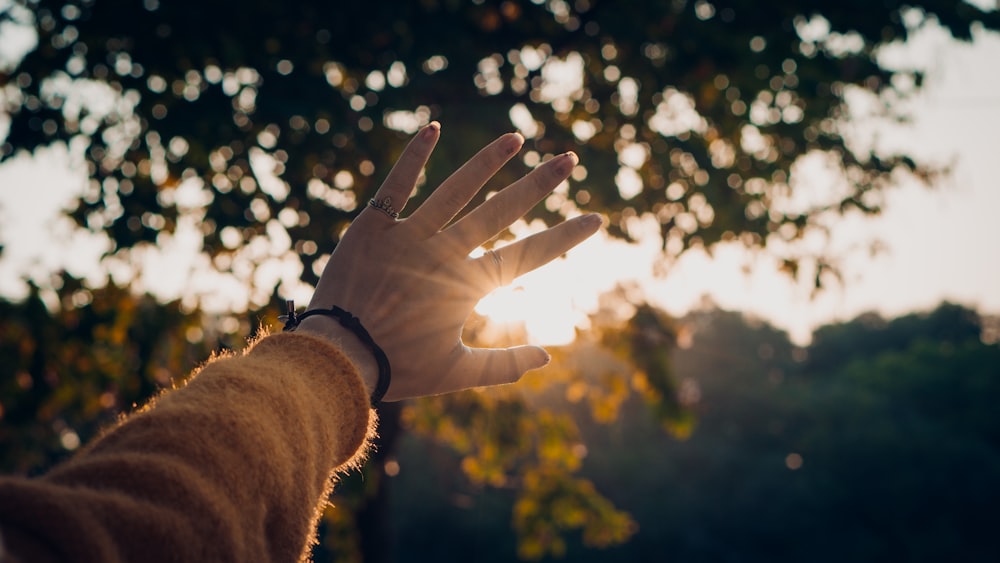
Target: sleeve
233	466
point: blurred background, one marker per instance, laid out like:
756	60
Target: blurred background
783	346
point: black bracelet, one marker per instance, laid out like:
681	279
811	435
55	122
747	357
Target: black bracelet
353	324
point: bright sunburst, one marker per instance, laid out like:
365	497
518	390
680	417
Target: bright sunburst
546	320
548	303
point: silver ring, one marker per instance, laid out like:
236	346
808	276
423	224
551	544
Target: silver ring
498	261
384	205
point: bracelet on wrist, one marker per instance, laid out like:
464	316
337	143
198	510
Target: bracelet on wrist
353	324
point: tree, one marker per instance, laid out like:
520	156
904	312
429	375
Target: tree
708	104
66	373
839	342
888	454
275	122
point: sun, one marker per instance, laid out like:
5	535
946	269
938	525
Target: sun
551	303
548	304
536	307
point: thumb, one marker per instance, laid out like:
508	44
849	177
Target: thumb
498	366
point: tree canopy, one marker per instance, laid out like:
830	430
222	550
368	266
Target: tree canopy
691	113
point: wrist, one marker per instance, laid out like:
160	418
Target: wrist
348	343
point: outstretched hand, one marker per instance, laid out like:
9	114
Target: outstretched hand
412	283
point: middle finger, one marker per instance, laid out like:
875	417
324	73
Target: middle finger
458	189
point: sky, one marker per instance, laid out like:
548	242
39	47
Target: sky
941	243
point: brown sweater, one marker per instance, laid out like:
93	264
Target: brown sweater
234	466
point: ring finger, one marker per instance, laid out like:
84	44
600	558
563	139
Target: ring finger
511	203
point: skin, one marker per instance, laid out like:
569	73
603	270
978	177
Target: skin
411	280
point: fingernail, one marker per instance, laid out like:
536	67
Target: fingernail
513	143
566	162
431	129
591	220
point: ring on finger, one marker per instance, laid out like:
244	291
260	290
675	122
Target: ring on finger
498	261
385	206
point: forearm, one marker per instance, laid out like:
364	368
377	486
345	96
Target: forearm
232	466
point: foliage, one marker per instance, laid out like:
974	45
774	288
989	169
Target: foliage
693	112
888	455
840	342
66	373
507	439
647	341
893	456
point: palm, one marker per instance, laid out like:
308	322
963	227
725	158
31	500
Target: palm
413	284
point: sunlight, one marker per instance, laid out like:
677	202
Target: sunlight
540	303
550	303
516	306
18	31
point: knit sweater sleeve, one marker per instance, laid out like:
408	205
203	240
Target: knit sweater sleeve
233	466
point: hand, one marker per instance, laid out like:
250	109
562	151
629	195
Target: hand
412	283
